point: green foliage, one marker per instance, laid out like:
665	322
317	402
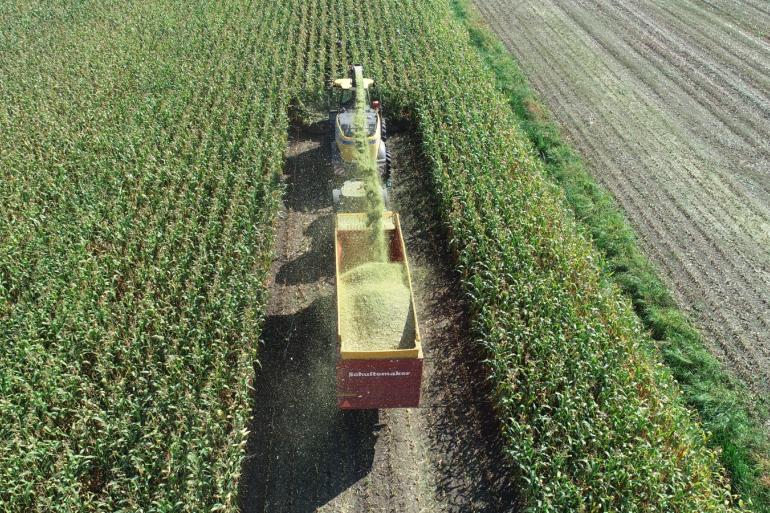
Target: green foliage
591	421
139	145
724	405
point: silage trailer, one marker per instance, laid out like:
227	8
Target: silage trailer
375	376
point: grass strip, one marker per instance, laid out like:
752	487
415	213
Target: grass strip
726	408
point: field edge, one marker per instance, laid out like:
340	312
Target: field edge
724	405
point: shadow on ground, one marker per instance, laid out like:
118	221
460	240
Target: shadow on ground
302	451
315	263
308	169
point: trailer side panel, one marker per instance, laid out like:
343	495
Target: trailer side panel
363	384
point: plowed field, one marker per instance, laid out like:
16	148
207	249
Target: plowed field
669	105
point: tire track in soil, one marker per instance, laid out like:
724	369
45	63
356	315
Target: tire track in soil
632	191
751	16
618	78
680	218
303	454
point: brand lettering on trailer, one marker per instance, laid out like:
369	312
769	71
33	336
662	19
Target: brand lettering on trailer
375	374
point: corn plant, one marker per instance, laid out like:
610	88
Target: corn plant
139	148
590	418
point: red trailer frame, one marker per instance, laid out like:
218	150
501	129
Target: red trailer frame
376	379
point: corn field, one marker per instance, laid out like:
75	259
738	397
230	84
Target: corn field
140	147
140	143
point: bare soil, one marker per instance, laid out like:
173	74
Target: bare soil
669	104
303	453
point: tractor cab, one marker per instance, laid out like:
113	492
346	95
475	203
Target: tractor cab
347	95
344	146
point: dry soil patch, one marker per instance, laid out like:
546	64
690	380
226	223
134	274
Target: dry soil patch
669	104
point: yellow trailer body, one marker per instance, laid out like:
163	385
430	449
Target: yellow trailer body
388	373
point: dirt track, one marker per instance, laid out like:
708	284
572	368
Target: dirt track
304	455
669	104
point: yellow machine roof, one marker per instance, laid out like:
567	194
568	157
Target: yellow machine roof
347	83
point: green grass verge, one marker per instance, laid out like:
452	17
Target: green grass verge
725	406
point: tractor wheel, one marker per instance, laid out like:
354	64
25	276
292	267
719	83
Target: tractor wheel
383	129
386	179
386	172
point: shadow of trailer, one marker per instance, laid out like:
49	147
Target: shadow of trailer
383	377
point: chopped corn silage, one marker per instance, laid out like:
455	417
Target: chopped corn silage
374	307
367	169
